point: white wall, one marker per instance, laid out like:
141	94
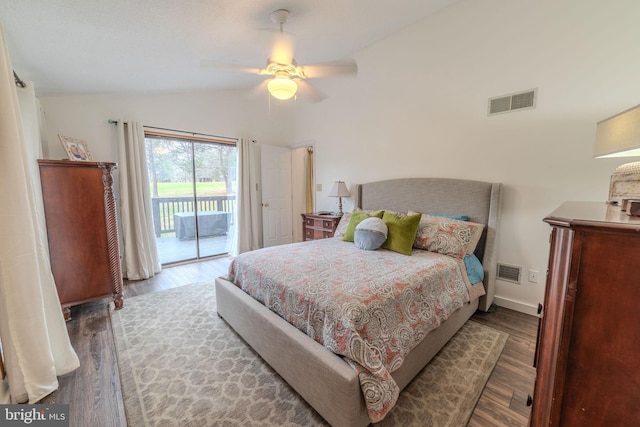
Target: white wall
419	108
222	113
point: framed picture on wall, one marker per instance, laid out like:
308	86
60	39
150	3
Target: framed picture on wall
76	149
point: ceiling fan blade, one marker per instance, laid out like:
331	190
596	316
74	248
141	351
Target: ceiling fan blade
308	92
347	67
229	67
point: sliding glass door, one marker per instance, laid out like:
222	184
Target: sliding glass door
193	189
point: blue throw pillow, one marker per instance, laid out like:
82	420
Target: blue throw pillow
370	234
458	217
474	269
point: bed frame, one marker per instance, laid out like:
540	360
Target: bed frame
322	378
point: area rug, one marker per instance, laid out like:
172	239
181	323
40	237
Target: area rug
182	365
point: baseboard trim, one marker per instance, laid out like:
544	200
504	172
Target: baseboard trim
516	306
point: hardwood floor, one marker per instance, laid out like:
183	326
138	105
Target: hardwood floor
94	393
504	399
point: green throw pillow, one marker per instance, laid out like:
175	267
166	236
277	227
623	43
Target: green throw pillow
402	231
357	216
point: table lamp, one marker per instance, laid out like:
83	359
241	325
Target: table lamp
619	136
339	190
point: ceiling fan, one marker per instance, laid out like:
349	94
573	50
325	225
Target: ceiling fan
288	76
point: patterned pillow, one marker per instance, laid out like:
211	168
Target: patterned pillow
342	225
447	236
370	234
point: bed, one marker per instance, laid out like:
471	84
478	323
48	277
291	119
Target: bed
328	382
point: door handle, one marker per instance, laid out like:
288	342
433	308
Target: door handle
265	205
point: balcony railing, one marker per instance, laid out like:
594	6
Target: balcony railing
164	208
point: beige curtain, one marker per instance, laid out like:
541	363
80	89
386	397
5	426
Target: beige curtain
309	193
140	252
247	227
35	342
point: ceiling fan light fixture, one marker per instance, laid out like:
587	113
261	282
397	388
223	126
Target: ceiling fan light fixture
282	87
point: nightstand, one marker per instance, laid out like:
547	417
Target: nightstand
316	226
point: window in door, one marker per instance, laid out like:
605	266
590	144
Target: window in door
193	194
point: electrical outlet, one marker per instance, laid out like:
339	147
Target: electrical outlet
533	276
318	187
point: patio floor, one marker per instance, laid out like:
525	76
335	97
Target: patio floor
172	249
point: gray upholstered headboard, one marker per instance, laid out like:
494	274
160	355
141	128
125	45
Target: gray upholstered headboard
480	201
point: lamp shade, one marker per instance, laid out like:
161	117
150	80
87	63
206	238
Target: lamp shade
282	87
339	190
619	136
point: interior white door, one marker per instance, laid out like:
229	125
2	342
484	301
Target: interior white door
276	195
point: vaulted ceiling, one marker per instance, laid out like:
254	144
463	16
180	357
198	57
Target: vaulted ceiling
116	46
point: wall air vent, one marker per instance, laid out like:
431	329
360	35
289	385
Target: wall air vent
514	102
509	273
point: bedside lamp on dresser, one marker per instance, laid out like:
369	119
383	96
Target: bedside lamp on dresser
322	225
588	349
339	190
619	136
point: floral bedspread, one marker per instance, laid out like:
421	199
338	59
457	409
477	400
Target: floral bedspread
371	307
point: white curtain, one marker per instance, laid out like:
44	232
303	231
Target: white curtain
249	215
35	342
140	253
309	190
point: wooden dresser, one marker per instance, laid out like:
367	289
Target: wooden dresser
588	360
316	226
82	231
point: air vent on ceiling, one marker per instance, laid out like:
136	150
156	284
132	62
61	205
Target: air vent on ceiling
509	273
514	102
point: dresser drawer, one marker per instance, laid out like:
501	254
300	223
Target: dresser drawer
315	227
309	233
315	234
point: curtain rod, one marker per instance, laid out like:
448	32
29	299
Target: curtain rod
115	122
18	80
